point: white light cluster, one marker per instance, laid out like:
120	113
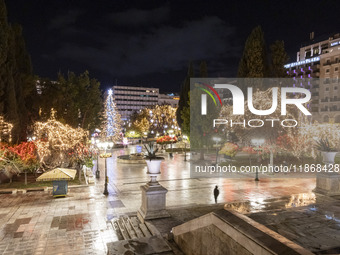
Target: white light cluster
299	63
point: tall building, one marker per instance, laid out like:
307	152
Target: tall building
169	99
319	60
130	99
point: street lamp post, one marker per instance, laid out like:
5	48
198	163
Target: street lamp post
258	143
172	136
104	146
217	140
185	147
97	170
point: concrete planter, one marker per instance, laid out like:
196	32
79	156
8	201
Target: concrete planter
328	183
328	157
154	166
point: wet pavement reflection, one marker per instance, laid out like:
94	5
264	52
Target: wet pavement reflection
36	223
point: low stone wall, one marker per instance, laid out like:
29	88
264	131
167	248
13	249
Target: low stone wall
228	232
328	184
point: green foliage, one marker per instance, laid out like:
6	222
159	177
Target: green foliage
253	63
203	70
151	149
324	145
279	58
76	98
185	115
201	128
183	97
16	81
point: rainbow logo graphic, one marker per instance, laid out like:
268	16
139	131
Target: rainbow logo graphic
204	87
208	92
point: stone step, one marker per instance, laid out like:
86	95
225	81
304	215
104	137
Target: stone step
134	223
153	230
145	230
116	229
129	228
122	229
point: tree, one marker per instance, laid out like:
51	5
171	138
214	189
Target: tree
185	115
279	58
76	98
3	51
183	97
159	119
254	63
111	126
261	100
203	69
16	83
201	128
54	140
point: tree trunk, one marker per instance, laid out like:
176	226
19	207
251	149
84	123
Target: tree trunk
80	172
25	177
202	154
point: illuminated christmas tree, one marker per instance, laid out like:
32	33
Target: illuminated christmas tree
111	127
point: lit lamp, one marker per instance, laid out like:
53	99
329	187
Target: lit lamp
217	140
97	170
257	143
105	146
172	137
185	139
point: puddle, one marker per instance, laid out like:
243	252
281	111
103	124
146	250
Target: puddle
260	204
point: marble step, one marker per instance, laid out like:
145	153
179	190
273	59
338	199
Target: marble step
122	229
135	225
131	228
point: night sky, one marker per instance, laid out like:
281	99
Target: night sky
149	43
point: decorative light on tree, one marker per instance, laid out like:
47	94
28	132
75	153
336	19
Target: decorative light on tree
303	142
262	100
5	130
157	119
54	139
111	128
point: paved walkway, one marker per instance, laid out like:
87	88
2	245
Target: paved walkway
36	223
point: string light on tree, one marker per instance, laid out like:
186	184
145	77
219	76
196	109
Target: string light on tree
5	130
111	127
54	139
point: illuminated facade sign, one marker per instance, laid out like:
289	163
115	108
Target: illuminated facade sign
335	43
306	61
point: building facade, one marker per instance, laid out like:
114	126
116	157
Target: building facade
130	99
169	99
319	60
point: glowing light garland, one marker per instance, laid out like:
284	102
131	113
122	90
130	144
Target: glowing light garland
5	130
262	100
54	139
160	118
303	143
111	128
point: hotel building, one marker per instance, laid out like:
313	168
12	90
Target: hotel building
320	60
130	99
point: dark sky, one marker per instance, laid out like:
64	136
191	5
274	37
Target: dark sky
149	43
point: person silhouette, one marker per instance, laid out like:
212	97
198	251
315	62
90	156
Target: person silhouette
216	193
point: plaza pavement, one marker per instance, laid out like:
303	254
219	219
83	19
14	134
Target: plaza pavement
36	223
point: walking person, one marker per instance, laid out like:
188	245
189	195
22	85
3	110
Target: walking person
216	193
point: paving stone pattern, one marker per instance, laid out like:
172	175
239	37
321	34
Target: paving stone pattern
37	223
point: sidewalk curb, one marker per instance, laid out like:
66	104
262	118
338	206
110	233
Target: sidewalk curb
34	189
